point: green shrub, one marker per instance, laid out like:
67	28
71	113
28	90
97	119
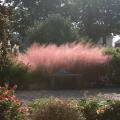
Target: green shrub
14	74
10	107
89	108
55	109
110	111
83	109
17	75
95	109
114	71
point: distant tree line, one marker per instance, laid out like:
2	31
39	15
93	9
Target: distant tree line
60	21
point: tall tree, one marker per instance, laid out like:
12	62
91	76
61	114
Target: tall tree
55	29
5	16
99	18
28	11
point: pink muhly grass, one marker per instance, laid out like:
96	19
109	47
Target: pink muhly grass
71	56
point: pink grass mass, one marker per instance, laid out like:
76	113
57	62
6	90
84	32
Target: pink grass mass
70	56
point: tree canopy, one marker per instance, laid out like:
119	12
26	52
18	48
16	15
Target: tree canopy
94	18
99	18
56	29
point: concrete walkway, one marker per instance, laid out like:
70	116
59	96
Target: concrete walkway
27	96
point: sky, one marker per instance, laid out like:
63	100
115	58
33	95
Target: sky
115	38
2	0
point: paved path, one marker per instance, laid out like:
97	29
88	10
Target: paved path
27	96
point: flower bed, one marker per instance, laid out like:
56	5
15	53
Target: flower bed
57	109
10	107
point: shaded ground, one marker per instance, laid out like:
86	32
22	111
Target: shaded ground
27	96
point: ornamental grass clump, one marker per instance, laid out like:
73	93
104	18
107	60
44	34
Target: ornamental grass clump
10	107
74	57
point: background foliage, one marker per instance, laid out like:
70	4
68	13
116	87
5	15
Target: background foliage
56	29
94	18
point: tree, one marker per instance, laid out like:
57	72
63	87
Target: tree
20	21
55	29
26	12
99	18
5	15
94	18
